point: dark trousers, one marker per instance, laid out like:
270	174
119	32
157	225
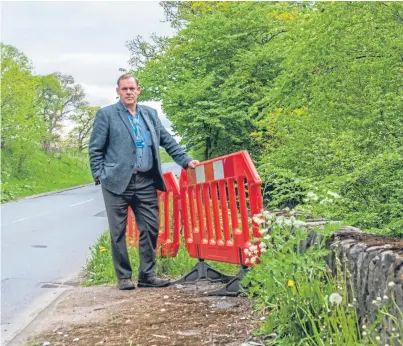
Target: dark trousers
142	197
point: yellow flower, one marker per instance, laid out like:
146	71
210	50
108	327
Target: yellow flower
290	283
102	249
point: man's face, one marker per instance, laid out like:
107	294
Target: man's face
128	91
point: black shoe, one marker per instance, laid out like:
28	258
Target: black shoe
153	281
126	284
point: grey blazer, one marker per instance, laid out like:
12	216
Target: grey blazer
112	149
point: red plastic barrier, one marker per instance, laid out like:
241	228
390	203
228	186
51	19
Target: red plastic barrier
216	218
170	222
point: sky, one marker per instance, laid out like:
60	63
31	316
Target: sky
85	39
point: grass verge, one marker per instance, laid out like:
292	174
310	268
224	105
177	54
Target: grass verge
99	268
43	172
165	158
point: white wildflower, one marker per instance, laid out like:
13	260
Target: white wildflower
263	231
266	214
325	200
378	338
253	248
385	297
391	284
333	194
364	333
262	245
364	326
280	220
258	219
247	252
312	196
267	237
335	298
378	299
253	260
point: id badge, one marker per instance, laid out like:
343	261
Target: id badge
139	143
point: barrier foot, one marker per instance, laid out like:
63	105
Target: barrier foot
202	271
233	287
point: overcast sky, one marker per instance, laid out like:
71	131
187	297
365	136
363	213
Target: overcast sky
85	39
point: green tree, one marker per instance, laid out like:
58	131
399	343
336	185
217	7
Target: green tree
22	128
59	97
83	117
199	75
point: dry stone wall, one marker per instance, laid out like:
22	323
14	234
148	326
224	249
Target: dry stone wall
376	267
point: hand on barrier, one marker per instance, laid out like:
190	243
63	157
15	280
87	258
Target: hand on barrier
192	164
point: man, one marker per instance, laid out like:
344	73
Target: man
124	158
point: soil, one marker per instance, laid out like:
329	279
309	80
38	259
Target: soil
393	244
177	315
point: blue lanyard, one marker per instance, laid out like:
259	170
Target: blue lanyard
135	126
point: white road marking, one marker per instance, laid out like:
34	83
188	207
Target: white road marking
24	218
82	202
41	214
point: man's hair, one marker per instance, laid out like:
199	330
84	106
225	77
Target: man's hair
126	76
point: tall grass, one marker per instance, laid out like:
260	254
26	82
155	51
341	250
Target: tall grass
99	268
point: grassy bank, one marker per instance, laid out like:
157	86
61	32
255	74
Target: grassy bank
41	172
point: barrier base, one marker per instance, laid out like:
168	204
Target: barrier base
202	271
233	287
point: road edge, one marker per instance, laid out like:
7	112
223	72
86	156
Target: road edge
37	323
43	194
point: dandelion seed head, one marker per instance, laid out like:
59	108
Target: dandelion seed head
335	298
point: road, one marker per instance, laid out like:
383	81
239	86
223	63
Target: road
45	242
